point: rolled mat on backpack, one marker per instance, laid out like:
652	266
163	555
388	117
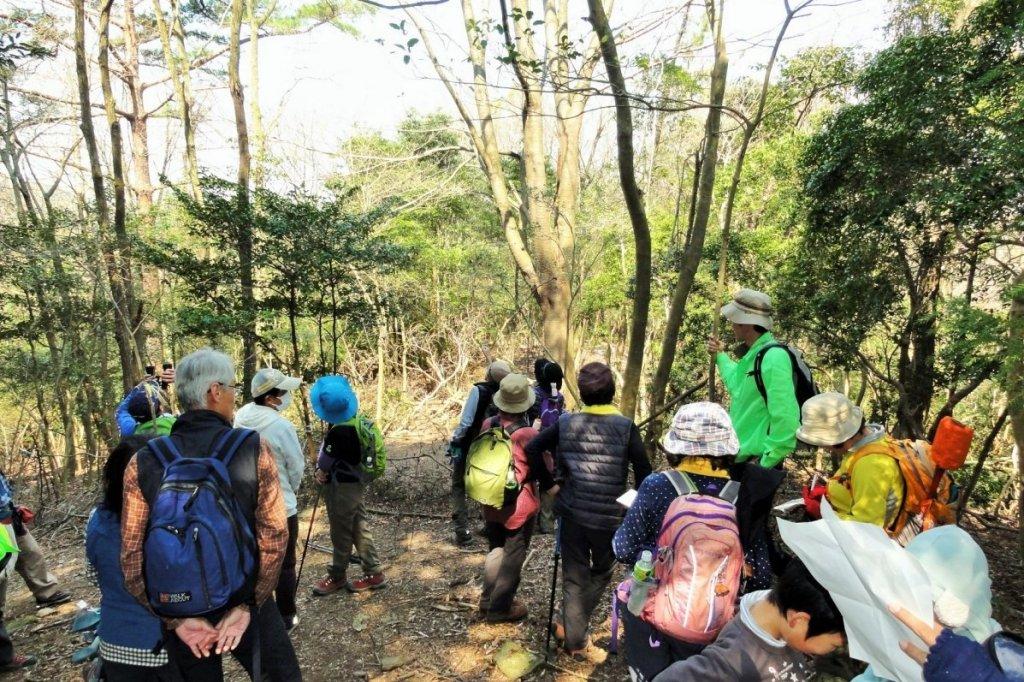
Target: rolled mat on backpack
951	444
950	447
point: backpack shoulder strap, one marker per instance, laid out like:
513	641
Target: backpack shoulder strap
164	450
512	428
730	492
228	444
683	484
759	360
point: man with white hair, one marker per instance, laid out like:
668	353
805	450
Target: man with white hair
271	395
249	624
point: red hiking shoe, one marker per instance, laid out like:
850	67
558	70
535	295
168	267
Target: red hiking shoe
367	582
18	662
328	585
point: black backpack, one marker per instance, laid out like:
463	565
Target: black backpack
803	382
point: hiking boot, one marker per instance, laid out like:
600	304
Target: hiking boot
367	582
328	585
515	613
463	538
558	629
17	663
53	600
590	653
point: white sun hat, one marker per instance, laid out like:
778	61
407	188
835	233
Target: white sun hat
750	307
829	419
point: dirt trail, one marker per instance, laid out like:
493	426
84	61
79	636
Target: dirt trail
424	623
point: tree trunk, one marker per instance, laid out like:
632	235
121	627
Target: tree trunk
1015	390
245	231
258	134
172	40
139	120
749	129
986	449
131	365
702	210
634	203
916	371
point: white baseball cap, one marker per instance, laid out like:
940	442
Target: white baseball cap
269	378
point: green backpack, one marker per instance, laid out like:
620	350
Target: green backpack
161	426
491	468
373	456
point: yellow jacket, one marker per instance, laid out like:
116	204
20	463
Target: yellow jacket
873	491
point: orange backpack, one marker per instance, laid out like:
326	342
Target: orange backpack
918	511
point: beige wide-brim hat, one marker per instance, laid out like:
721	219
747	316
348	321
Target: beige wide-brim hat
515	395
829	419
750	307
269	378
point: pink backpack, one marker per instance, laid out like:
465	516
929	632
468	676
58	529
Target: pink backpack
698	564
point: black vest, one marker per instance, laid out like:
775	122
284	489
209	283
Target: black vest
195	433
593	463
484	408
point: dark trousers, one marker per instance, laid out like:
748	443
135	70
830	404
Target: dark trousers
460	513
648	650
119	672
278	662
284	593
588	562
504	564
6	645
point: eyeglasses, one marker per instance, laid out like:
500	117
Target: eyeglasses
233	387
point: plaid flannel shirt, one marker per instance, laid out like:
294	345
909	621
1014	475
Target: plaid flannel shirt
271	529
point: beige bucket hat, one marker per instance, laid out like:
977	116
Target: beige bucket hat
829	419
750	307
515	395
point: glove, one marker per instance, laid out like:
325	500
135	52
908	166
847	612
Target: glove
26	515
454	451
812	499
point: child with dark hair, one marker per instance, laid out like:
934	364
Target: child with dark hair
129	634
547	408
771	636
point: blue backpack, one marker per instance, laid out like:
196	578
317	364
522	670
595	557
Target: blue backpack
200	551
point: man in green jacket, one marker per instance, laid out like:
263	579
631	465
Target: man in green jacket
766	425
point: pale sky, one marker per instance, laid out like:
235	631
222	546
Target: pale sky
321	87
325	85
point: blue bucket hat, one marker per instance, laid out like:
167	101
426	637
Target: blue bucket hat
333	399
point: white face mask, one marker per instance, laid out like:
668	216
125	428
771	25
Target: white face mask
286	400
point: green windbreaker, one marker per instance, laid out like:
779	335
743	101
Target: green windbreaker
767	432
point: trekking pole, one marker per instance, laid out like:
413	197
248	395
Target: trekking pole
305	547
554	583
